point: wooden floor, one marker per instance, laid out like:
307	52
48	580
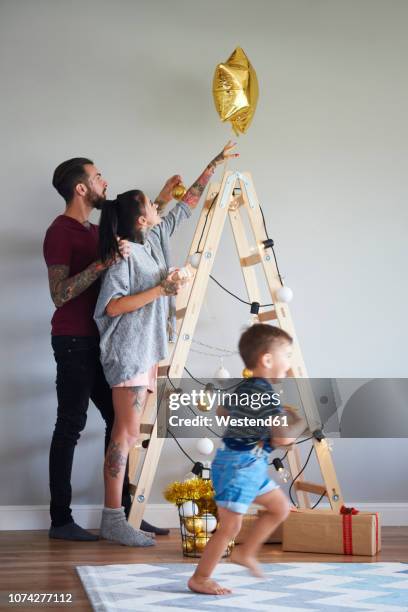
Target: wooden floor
30	562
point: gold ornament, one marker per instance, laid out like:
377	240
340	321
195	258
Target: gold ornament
179	191
200	542
193	524
246	373
235	91
188	545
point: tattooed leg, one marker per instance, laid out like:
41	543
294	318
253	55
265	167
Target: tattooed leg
128	403
115	459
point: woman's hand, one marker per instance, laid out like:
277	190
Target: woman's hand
193	194
225	154
169	286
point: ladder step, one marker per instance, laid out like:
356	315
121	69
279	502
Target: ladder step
162	371
180	313
146	428
310	487
132	488
269	315
251	260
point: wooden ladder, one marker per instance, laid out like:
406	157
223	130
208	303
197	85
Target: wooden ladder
235	194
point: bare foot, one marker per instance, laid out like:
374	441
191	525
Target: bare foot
206	586
250	562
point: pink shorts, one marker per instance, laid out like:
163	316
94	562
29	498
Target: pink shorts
144	379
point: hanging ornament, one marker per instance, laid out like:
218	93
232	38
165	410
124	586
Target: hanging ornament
205	446
222	372
179	191
284	294
235	91
195	259
205	401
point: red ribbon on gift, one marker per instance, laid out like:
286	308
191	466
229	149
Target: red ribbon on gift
348	530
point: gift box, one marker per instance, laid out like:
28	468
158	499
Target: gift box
349	532
247	524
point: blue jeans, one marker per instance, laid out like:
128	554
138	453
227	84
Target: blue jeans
239	477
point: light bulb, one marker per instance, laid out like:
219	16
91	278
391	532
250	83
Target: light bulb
205	446
284	474
195	259
284	294
222	372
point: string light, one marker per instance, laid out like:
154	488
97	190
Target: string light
284	474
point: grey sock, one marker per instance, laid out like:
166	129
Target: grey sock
73	532
114	527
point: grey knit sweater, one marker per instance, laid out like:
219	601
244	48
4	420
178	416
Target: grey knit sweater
132	342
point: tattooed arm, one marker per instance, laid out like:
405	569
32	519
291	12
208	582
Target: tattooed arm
64	288
129	303
193	194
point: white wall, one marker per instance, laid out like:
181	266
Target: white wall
128	83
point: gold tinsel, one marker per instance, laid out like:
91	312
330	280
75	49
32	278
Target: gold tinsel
195	489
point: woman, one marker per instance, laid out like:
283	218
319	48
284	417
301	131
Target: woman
131	314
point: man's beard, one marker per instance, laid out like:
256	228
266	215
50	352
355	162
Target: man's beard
95	200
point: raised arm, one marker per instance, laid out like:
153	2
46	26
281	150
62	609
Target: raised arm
194	193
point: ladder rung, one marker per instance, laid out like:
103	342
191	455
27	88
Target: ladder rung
267	316
310	487
132	488
180	313
162	371
146	428
251	260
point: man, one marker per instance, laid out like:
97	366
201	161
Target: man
71	255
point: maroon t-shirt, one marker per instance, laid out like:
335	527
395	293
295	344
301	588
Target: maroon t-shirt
69	243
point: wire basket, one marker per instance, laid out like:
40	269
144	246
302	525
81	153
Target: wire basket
197	524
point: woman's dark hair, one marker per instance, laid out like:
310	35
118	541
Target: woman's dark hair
118	218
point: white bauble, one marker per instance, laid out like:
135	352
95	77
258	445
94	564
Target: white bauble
210	522
189	508
284	294
195	259
183	530
205	446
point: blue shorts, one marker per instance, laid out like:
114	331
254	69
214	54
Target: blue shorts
240	476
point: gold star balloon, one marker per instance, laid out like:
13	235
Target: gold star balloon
235	91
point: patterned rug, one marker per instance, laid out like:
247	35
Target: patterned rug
290	587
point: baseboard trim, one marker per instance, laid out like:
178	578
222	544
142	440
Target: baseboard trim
88	516
163	515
